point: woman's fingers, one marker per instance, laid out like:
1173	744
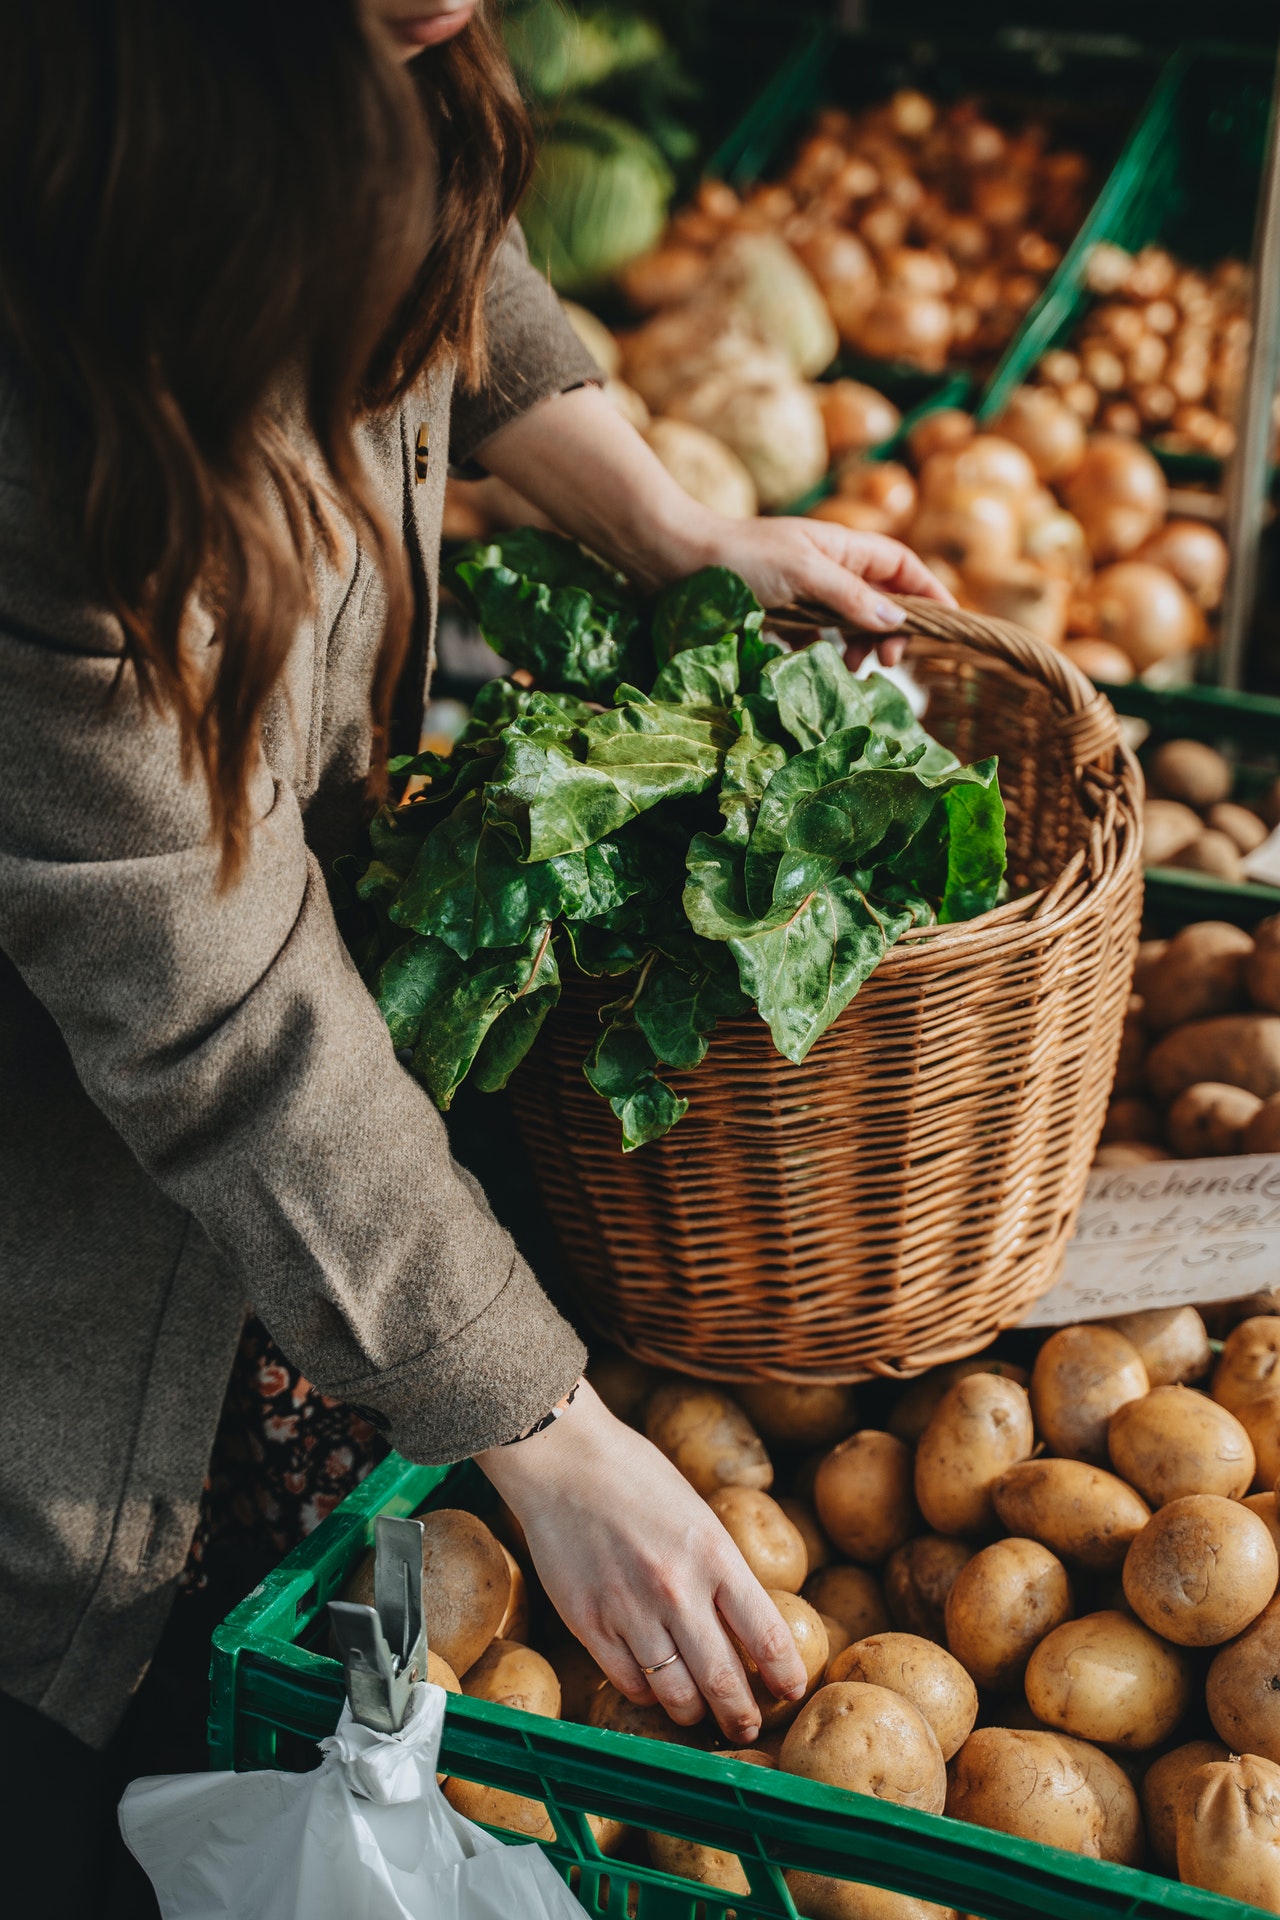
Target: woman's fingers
850	596
760	1630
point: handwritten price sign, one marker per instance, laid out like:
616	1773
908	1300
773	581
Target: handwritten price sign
1173	1232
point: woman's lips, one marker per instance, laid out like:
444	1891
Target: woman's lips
431	28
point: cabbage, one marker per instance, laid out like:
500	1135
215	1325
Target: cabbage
599	196
556	51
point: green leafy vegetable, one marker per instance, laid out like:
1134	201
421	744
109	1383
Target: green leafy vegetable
754	831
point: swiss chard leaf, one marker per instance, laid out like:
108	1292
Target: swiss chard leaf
677	1011
701	676
461	1000
549	607
622	1067
703	608
814	694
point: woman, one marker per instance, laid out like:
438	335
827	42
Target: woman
258	288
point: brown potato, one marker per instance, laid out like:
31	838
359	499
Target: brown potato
850	1595
709	1866
1228	1830
1168	828
771	1546
981	1427
1249	1365
580	1677
871	1741
1189	771
838	1638
465	1585
1240	824
1028	1783
1214	853
708	1437
616	1714
1240	1049
810	1636
863	1496
515	1676
1171	1341
1001	1606
1201	1569
1079	1512
935	1683
1210	1119
1262	1135
917	1580
1262	970
799	1416
1201	972
514	1624
1159	1795
441	1674
1081	1376
1175	1441
1106	1677
1260	1419
820	1898
1131	1069
917	1404
818	1550
623	1384
1131	1119
495	1807
1264	1505
1242	1688
1129	1153
1123	1834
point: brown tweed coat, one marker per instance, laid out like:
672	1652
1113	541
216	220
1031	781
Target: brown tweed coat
199	1104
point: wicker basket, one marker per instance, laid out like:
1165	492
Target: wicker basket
907	1191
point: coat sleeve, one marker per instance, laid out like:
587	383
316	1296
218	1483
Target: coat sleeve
228	1038
533	352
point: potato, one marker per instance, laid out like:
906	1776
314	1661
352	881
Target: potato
514	1624
1214	853
810	1636
1131	1119
1171	1341
495	1807
1149	953
771	1546
917	1404
580	1677
863	1495
1210	1119
1201	1569
708	1437
613	1712
1159	1795
1129	1153
850	1595
1260	1419
981	1426
917	1580
1262	969
466	1585
819	1898
1001	1605
1131	1069
1027	1783
1228	1830
799	1416
818	1550
623	1384
1080	1378
1249	1365
710	1866
1242	1688
1109	1678
1189	771
838	1638
869	1740
1262	1135
1200	973
1240	824
515	1676
1264	1505
1079	1512
932	1680
1240	1049
1175	1441
1167	828
1123	1833
441	1674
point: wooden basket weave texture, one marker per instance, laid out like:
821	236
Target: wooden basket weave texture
907	1191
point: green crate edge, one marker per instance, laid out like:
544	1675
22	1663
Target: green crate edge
262	1683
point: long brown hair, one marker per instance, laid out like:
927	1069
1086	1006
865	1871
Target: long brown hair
202	201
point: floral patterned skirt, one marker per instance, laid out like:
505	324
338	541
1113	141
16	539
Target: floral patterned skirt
283	1458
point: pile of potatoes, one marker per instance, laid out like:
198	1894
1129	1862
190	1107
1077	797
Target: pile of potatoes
1043	1600
1192	821
1199	1068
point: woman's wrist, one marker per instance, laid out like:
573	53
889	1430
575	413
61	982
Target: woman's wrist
551	1461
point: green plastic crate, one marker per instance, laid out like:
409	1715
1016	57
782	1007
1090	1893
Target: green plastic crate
1187	179
271	1692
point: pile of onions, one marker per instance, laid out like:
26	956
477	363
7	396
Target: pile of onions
1161	353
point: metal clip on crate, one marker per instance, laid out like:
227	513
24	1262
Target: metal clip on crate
384	1647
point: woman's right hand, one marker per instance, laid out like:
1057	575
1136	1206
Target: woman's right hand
638	1567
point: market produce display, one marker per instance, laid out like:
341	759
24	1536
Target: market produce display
754	829
1199	1071
1042	1601
1193	818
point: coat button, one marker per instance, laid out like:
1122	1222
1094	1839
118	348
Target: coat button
421	452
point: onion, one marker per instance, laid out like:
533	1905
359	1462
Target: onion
1118	494
882	484
1048	431
979	144
1100	659
972	530
1196	556
906	326
1082	398
717	199
1188	376
704	467
1057	543
662	278
856	180
1059	367
860	515
939	432
1143	610
1001	201
836	257
1035	253
918	270
1161	316
1121	416
1117	325
1146	359
1104	367
965	238
1020	592
818	161
1153	273
883	225
911	113
1157	404
856	417
1107	269
988	463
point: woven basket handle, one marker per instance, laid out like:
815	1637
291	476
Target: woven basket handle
1086	717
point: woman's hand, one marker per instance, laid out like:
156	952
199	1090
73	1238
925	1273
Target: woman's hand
592	474
638	1567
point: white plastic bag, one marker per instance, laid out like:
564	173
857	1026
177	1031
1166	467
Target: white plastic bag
368	1836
